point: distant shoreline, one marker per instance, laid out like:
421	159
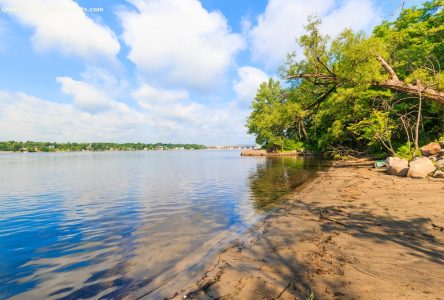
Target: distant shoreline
97	151
31	146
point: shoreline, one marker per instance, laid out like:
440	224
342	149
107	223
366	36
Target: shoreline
190	269
262	152
351	233
98	151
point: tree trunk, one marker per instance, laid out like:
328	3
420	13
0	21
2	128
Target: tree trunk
400	86
395	84
418	121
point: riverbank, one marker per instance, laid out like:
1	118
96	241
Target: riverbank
262	152
352	233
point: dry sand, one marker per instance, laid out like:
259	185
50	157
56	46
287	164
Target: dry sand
352	233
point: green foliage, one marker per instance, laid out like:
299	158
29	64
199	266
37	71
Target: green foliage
273	117
407	151
292	145
377	128
342	110
353	58
415	37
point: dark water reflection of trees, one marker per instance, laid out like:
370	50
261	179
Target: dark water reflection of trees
277	177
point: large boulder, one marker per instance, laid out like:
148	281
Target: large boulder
430	149
397	166
420	168
440	165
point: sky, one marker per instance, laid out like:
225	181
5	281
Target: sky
180	71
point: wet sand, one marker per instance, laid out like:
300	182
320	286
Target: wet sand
352	233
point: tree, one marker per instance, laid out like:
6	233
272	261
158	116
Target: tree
361	93
273	118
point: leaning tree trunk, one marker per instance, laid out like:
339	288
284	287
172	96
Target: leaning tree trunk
392	83
395	84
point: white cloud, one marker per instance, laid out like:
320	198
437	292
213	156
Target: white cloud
179	42
359	15
63	25
248	83
283	22
174	106
147	94
97	92
24	117
86	97
188	120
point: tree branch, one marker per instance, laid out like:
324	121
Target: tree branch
312	76
325	66
388	68
323	97
393	83
398	85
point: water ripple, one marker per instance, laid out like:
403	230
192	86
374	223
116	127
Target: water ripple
97	225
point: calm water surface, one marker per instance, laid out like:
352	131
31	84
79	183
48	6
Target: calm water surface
109	224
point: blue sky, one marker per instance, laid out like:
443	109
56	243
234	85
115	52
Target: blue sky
151	70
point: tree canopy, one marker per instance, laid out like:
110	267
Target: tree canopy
358	93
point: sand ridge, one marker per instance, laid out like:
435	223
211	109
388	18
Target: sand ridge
352	233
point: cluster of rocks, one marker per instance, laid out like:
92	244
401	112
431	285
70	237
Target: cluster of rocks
431	163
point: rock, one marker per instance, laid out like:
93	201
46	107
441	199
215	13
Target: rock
397	166
433	158
430	149
441	143
438	174
420	168
440	165
253	152
441	153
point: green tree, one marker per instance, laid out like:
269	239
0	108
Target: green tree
357	92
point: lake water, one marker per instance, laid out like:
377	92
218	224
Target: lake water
110	224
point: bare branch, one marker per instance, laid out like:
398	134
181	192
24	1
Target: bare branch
323	97
312	76
388	68
325	66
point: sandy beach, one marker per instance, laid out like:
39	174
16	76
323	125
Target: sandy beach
352	233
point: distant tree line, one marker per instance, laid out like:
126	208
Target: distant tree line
30	146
